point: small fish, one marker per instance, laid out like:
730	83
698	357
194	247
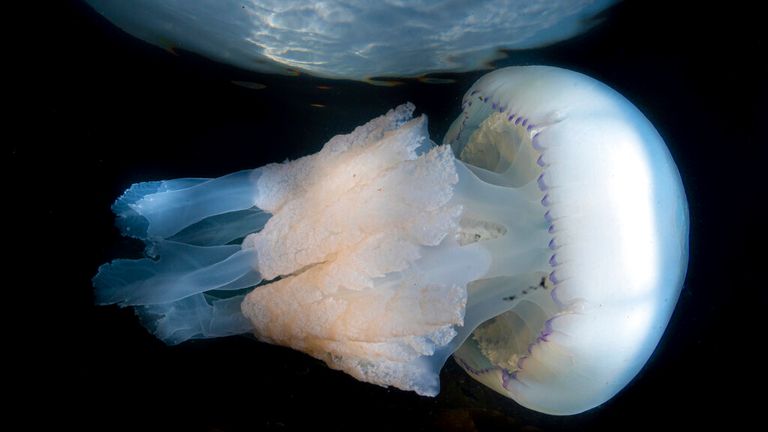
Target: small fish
317	105
383	82
433	80
249	85
168	46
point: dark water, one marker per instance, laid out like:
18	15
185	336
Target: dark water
104	110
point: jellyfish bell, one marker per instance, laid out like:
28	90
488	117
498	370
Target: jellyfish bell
613	206
351	39
548	258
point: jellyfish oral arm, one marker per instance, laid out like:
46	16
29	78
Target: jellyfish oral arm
374	279
360	240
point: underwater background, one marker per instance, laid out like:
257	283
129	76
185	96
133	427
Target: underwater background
104	110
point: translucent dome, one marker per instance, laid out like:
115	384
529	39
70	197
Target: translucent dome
352	39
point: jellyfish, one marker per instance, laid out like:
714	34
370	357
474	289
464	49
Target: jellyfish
352	39
543	244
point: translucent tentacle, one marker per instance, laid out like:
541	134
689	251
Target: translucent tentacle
180	271
187	286
162	209
197	317
224	228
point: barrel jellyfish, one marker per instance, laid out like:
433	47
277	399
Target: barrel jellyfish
352	39
544	244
